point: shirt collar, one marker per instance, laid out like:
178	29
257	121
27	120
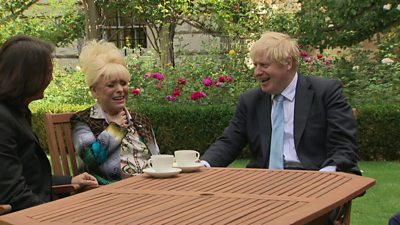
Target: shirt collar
290	91
97	112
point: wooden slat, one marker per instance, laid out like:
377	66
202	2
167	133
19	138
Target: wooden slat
70	148
63	155
52	145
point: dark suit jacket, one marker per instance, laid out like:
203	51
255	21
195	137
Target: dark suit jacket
25	173
324	128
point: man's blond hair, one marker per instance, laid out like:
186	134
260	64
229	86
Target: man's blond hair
102	59
277	48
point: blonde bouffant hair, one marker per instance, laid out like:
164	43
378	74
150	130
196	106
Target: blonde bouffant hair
277	47
102	59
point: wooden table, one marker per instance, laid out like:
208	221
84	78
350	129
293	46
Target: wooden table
208	196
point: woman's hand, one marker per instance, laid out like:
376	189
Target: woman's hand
119	118
84	179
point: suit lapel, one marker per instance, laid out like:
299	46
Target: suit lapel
264	118
304	98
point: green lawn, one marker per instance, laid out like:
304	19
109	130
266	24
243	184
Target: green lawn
381	201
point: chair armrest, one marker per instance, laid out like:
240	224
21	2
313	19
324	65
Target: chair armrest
67	189
88	188
5	209
64	189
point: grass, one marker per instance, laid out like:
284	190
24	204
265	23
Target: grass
380	202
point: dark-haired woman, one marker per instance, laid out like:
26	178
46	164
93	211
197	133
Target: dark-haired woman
25	174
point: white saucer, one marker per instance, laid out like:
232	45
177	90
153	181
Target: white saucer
170	173
190	168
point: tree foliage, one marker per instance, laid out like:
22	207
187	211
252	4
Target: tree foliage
342	23
57	21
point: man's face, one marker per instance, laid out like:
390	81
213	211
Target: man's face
273	77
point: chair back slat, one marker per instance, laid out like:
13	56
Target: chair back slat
70	148
62	151
61	148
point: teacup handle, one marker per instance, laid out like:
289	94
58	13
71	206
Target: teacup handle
197	157
149	163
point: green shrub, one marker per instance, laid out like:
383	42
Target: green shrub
226	73
68	87
366	78
191	126
187	126
379	132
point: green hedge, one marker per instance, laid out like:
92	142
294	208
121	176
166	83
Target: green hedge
196	127
379	132
187	126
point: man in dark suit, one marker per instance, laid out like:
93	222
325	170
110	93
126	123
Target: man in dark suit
319	128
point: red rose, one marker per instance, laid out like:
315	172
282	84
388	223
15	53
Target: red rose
176	92
182	81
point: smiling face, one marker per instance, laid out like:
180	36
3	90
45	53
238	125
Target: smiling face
111	93
275	57
273	77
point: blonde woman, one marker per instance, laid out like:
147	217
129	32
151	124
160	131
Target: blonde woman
111	142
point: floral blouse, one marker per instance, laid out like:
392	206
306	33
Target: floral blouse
108	151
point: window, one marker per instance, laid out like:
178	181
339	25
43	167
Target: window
123	31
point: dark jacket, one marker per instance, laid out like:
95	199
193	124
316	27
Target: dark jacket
324	128
25	173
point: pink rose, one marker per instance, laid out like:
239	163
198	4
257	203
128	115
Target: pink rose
303	53
229	78
147	75
307	59
197	95
207	81
136	91
218	84
170	98
158	76
328	62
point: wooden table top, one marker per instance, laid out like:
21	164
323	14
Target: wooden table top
208	196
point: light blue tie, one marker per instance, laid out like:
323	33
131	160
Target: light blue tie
276	151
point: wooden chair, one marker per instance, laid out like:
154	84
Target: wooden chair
62	152
61	148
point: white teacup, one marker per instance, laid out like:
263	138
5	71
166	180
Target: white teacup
161	163
186	157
